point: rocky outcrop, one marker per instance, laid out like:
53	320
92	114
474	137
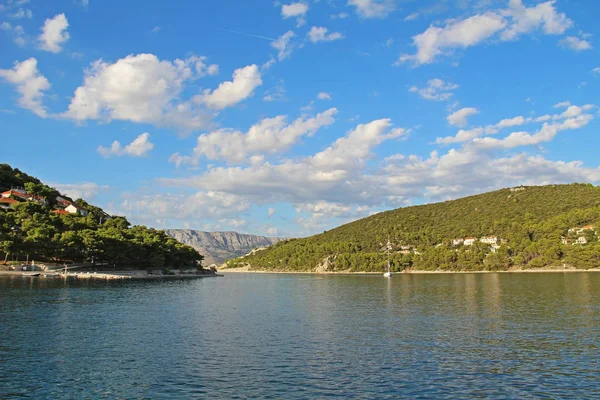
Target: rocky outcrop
218	247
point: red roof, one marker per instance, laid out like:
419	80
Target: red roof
588	227
9	201
471	238
62	212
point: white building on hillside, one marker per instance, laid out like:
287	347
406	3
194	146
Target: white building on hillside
73	209
489	239
470	241
457	242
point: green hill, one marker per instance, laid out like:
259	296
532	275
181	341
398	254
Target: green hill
38	223
529	223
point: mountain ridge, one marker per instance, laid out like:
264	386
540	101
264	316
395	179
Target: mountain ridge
218	247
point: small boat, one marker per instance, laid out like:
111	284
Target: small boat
388	247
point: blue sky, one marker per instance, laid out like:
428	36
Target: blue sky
289	118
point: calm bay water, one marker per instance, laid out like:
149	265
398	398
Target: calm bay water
303	336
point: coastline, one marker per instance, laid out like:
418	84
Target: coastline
514	271
105	275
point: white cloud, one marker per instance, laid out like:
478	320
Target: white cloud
29	83
201	206
373	8
331	175
436	90
562	104
596	71
140	147
230	93
269	135
54	33
141	88
17	32
436	41
508	122
271	212
575	44
459	118
85	190
319	34
542	16
411	17
573	115
342	15
22	13
275	94
283	45
295	10
324	96
507	23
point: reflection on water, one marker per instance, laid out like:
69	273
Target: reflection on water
302	336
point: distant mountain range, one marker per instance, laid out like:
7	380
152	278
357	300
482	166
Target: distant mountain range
218	247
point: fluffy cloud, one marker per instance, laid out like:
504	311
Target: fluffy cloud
139	147
324	96
542	16
141	88
562	104
295	10
29	83
576	44
596	71
283	45
333	174
545	134
54	33
373	8
202	205
436	90
573	117
319	34
86	190
506	24
459	118
230	93
270	135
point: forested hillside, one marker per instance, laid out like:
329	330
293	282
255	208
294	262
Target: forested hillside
38	223
531	225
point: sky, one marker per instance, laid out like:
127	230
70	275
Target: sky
289	118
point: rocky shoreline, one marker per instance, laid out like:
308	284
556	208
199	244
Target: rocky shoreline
109	275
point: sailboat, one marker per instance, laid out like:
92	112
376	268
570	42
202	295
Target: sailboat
388	247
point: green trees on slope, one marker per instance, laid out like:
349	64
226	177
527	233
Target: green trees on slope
531	220
32	229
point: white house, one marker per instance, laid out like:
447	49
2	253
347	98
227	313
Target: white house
73	209
494	248
470	241
489	240
581	240
457	242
